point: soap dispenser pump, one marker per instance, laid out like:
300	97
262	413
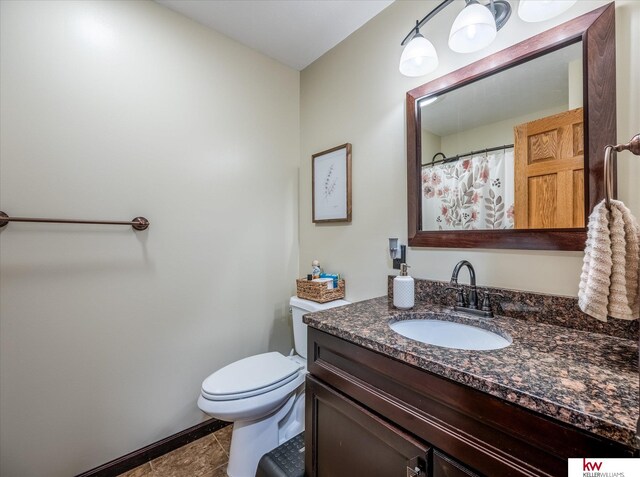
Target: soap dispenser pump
403	289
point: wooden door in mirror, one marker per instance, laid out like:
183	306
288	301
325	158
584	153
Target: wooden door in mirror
549	172
558	170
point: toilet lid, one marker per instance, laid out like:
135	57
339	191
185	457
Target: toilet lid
250	376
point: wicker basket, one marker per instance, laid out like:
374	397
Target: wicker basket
318	291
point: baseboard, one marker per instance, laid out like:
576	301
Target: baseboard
155	450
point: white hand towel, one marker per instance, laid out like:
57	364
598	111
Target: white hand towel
623	297
609	284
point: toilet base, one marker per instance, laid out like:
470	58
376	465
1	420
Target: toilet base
250	440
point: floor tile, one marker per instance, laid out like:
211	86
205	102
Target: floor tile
198	459
143	471
220	471
224	437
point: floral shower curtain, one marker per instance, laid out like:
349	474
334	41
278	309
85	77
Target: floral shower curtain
472	193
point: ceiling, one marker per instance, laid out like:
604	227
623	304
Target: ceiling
294	32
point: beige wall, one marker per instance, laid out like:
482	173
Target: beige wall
116	109
575	84
355	94
111	110
494	134
430	144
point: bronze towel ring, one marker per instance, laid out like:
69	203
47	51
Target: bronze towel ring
633	146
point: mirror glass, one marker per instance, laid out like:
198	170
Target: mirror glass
507	151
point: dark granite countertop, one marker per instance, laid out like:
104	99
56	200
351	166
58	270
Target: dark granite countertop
589	380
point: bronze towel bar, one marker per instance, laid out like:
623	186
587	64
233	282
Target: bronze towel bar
138	223
633	146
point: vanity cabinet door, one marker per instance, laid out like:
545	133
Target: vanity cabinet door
346	440
445	466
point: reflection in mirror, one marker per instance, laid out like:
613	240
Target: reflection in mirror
507	151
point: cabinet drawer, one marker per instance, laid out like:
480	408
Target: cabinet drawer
346	440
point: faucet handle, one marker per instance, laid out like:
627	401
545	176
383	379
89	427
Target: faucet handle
488	293
461	299
486	299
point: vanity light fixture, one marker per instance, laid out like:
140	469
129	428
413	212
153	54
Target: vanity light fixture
541	10
474	28
419	57
477	25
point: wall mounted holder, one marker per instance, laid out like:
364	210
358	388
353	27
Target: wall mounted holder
397	252
634	147
138	223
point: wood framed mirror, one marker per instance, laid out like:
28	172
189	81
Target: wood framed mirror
554	98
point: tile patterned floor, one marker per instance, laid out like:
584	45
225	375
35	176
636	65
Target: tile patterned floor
206	457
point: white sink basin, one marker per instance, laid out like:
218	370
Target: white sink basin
450	335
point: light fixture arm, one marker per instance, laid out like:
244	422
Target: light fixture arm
500	9
424	20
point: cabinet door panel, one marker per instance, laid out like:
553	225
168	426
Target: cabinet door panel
347	440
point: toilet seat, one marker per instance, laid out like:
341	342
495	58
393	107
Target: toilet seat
250	376
253	407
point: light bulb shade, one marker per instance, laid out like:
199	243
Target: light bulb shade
473	29
419	57
541	10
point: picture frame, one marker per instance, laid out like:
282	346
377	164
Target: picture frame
331	185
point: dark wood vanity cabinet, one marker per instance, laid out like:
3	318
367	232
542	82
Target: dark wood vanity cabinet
369	414
351	441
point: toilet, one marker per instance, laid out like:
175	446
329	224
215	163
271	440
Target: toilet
263	395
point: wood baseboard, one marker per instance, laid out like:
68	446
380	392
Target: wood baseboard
155	450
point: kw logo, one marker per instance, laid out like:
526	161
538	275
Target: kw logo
590	466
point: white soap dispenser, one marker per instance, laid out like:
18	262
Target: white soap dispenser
403	289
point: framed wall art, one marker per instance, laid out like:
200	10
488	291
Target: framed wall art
331	185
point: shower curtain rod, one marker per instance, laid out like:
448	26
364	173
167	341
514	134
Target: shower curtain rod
455	158
138	223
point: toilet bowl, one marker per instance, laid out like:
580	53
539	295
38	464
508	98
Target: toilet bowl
263	395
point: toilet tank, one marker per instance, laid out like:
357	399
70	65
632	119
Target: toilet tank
301	307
